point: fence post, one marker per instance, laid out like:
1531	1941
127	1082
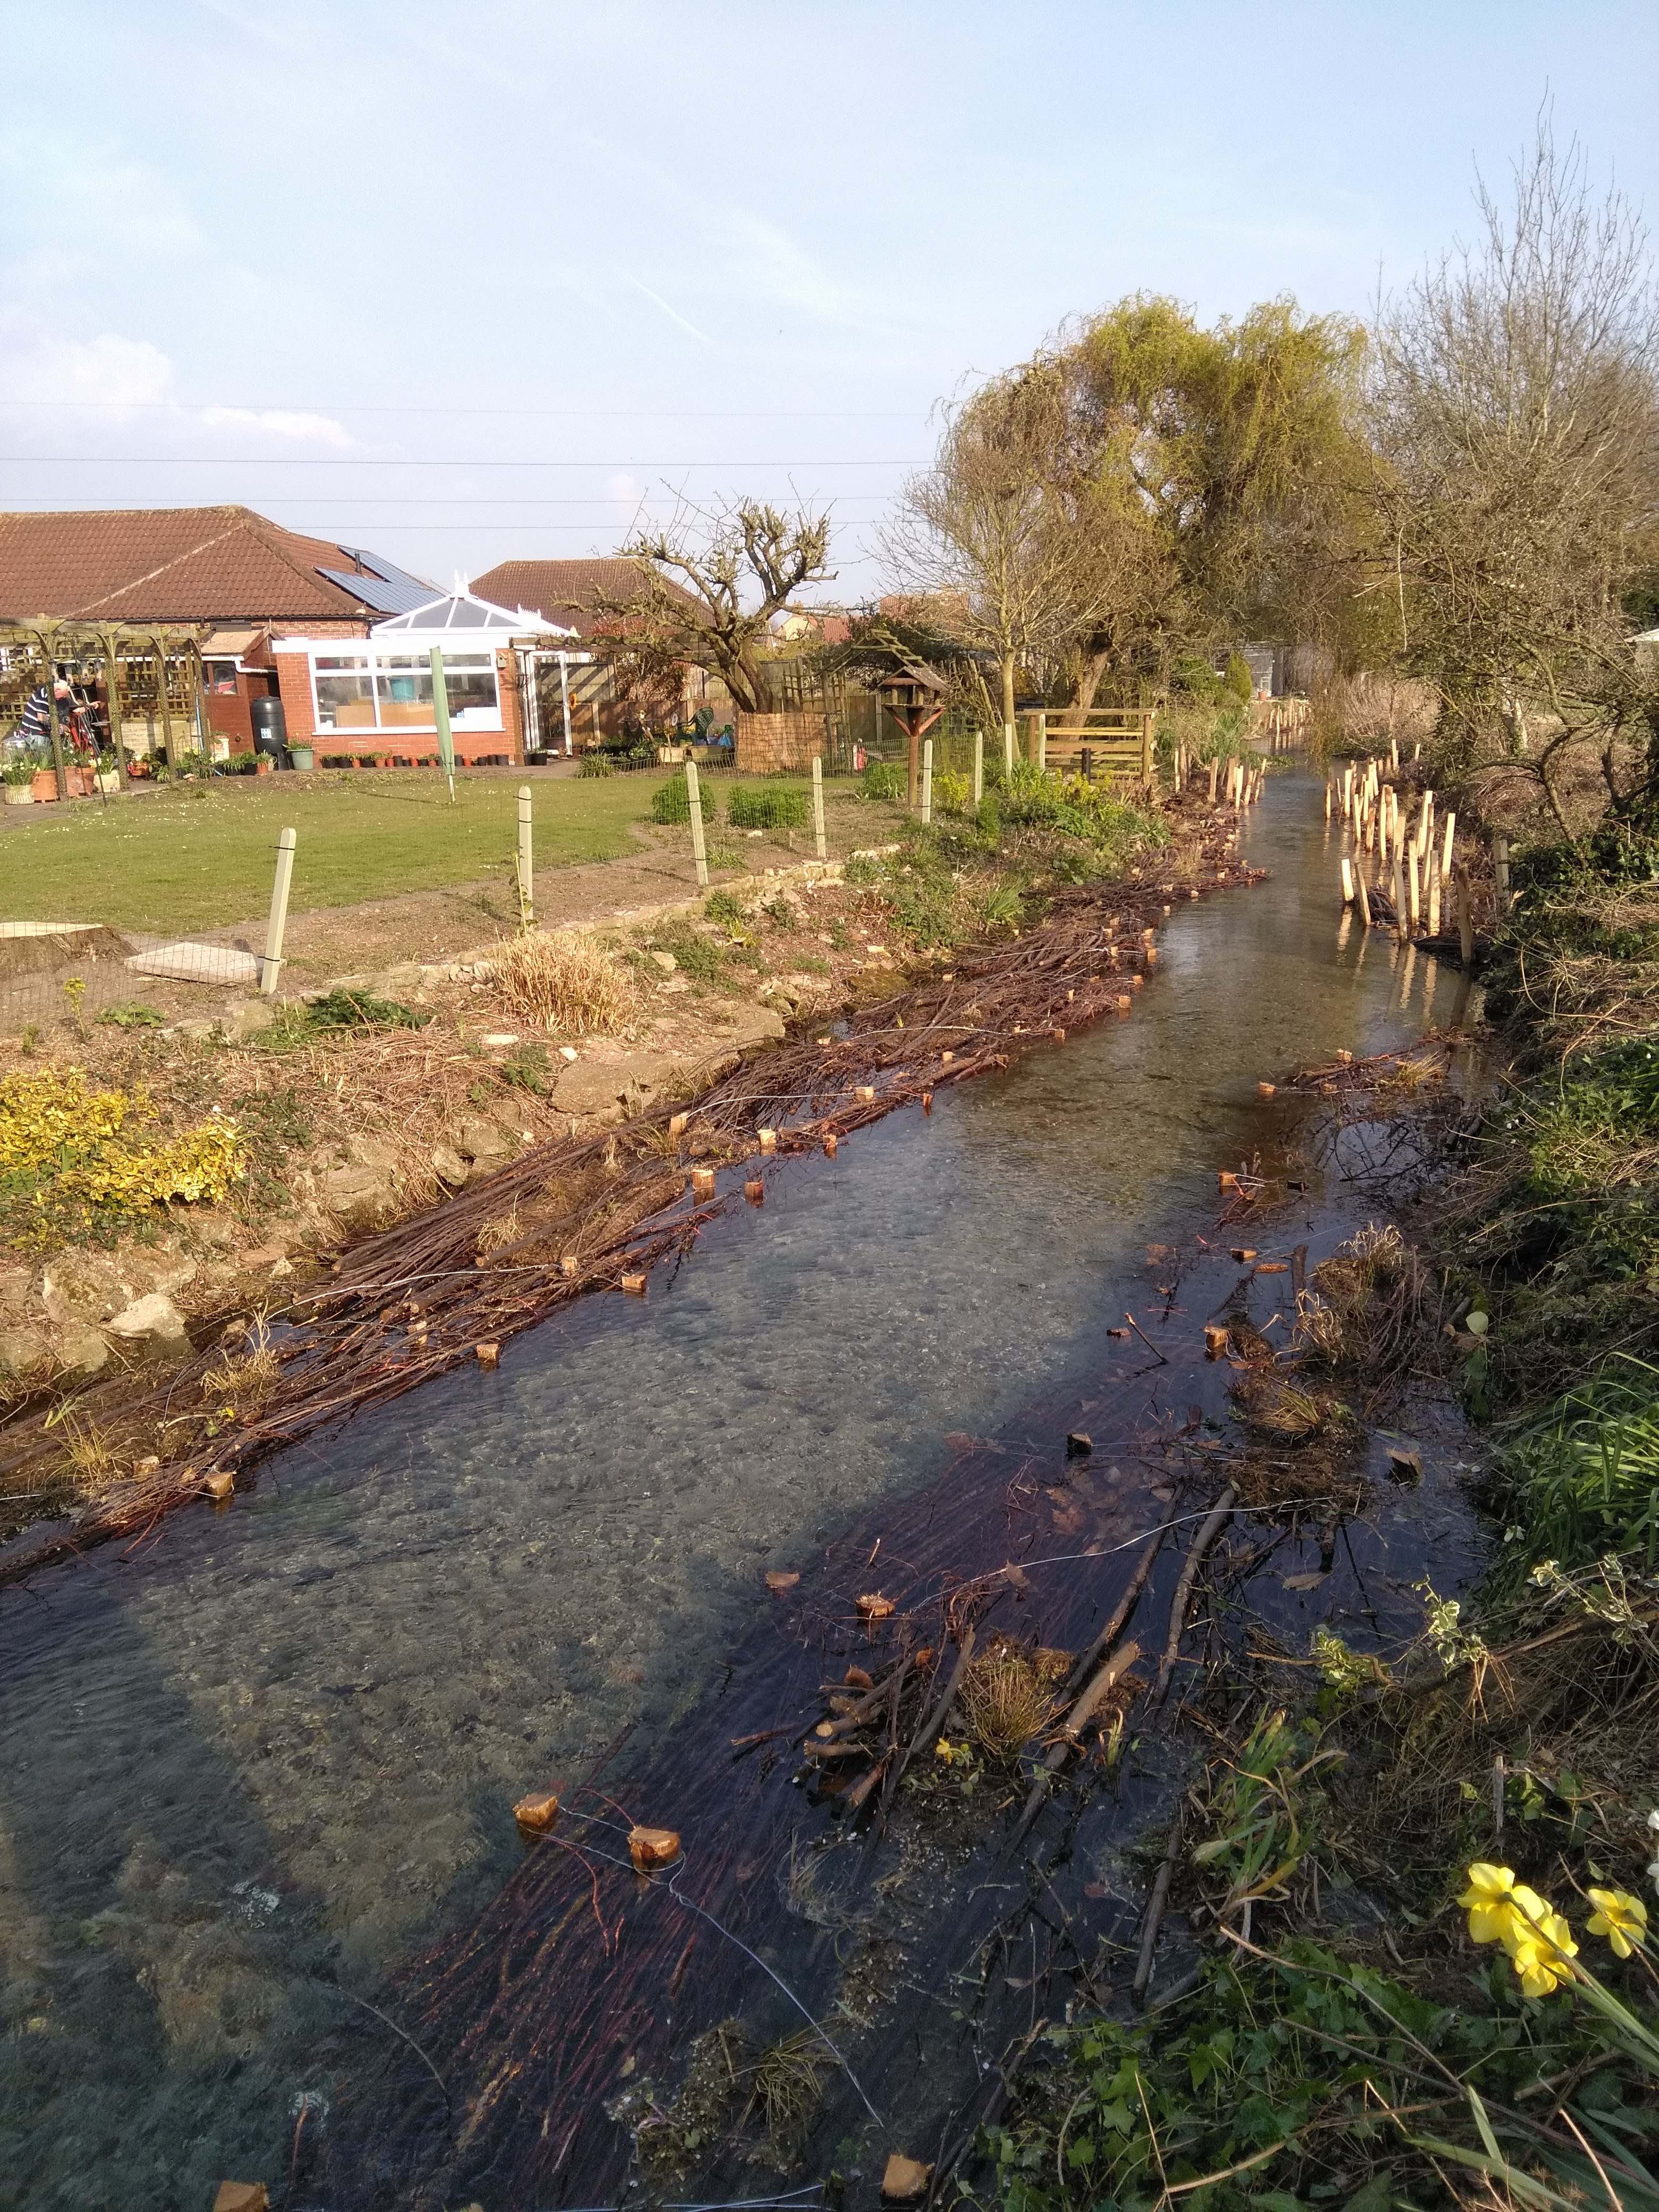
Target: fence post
979	766
1008	751
1500	870
927	781
526	862
271	967
817	808
699	850
1043	743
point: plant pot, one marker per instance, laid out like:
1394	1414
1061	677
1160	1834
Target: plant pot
262	765
80	782
107	780
43	785
301	756
20	794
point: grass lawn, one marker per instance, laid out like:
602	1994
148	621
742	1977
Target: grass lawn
196	856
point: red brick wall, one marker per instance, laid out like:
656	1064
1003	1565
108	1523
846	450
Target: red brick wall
293	674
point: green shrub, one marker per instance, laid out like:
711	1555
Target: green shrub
766	806
883	780
1238	679
951	792
596	764
671	802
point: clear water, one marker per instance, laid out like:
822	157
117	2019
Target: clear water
274	1750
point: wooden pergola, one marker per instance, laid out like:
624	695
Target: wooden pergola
915	695
149	653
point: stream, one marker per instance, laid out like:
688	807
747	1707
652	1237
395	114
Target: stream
259	1763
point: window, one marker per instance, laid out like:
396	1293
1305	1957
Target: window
393	691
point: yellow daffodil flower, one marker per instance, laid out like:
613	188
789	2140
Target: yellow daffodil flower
1489	1900
1622	1918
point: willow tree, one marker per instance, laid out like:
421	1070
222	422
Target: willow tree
1218	472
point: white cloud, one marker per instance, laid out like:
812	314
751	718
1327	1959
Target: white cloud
763	260
278	422
106	372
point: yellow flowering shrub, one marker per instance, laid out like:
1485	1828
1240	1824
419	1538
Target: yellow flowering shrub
71	1155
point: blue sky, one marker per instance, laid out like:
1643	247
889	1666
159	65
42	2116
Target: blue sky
468	283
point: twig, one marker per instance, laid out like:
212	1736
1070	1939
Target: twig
1159	1898
1184	1592
1118	1619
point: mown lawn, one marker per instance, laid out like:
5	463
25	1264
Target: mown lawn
201	855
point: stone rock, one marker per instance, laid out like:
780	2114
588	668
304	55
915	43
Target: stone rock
666	961
358	1197
151	1320
611	1087
375	1152
83	1286
17	1288
246	1017
450	1168
676	983
749	1025
81	1349
25	1351
480	1137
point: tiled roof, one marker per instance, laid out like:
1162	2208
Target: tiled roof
175	564
565	591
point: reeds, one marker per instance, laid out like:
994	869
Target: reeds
1006	1702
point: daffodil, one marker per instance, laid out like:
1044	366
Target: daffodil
1622	1918
1489	1901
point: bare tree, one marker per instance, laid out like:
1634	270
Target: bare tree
709	586
1514	416
984	540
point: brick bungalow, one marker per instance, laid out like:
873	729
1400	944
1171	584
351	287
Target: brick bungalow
230	574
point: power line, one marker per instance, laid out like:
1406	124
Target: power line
359	461
540	414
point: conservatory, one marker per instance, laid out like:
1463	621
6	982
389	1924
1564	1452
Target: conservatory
369	701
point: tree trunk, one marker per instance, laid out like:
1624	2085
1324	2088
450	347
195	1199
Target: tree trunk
744	682
1094	668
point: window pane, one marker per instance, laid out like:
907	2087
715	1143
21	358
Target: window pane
345	703
405	688
472	701
338	661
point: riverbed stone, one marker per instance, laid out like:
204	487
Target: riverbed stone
358	1197
448	1166
480	1138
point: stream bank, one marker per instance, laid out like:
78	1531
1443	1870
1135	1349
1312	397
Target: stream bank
294	1732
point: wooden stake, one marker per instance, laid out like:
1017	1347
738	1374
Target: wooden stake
979	766
1446	842
699	851
1363	897
1465	920
526	862
927	782
1412	888
1347	881
817	808
271	967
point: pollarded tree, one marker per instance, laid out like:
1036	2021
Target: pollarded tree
709	586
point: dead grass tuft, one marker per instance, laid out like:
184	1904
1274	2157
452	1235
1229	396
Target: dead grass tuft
248	1382
570	985
1274	1405
1007	1700
788	2084
499	1231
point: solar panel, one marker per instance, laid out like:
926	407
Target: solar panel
389	591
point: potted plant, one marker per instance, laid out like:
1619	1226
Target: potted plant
43	784
262	763
108	778
79	778
302	756
20	780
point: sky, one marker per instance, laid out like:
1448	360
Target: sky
465	284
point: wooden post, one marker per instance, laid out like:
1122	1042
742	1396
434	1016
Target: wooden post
699	850
817	808
1500	868
1347	881
271	967
979	766
1145	746
526	863
1424	820
440	716
1397	888
927	781
1414	886
1363	897
1215	770
167	709
1434	892
564	700
1008	752
1042	743
113	705
1446	844
55	731
1327	798
913	757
